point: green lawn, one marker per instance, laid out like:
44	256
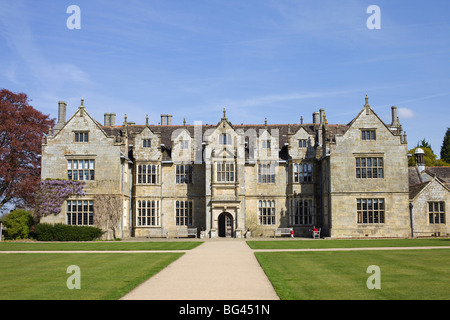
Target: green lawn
42	276
331	275
98	245
366	243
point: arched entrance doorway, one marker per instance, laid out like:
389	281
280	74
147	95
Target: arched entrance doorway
225	224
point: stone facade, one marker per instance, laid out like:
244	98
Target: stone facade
429	196
429	210
239	180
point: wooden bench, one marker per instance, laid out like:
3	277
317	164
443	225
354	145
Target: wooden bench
158	232
186	232
283	231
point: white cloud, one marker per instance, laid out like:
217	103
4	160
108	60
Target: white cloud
406	113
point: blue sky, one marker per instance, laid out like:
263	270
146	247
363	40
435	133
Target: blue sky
279	59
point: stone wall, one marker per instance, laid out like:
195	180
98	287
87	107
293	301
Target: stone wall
433	192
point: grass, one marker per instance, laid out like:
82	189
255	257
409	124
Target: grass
366	243
42	276
98	245
333	275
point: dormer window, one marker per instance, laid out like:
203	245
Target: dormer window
184	144
302	143
147	143
368	134
81	136
266	144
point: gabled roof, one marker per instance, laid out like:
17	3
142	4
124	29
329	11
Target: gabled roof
82	108
368	107
416	189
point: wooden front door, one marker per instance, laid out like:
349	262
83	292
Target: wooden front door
225	225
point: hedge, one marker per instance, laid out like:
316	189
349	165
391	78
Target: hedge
64	232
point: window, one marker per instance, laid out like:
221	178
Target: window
266	173
225	138
184	174
147	143
80	169
225	172
436	212
370	211
302	143
81	137
147	213
183	213
80	212
266	144
148	174
266	212
368	135
184	144
302	212
369	168
302	172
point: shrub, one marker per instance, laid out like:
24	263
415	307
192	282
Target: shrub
64	232
18	224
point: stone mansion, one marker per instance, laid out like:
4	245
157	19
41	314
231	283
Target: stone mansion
234	180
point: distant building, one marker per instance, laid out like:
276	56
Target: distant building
429	196
233	180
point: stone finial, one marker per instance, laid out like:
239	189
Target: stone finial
265	123
184	122
301	119
146	120
81	108
367	100
224	114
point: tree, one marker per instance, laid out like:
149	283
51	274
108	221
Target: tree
18	224
445	150
424	144
429	157
21	130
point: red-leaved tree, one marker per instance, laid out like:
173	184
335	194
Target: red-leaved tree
21	130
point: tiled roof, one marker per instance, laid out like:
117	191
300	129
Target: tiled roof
283	130
441	172
413	175
416	188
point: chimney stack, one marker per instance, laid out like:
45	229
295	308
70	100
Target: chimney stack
107	119
169	119
164	119
395	121
322	115
112	119
316	118
61	117
62	112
